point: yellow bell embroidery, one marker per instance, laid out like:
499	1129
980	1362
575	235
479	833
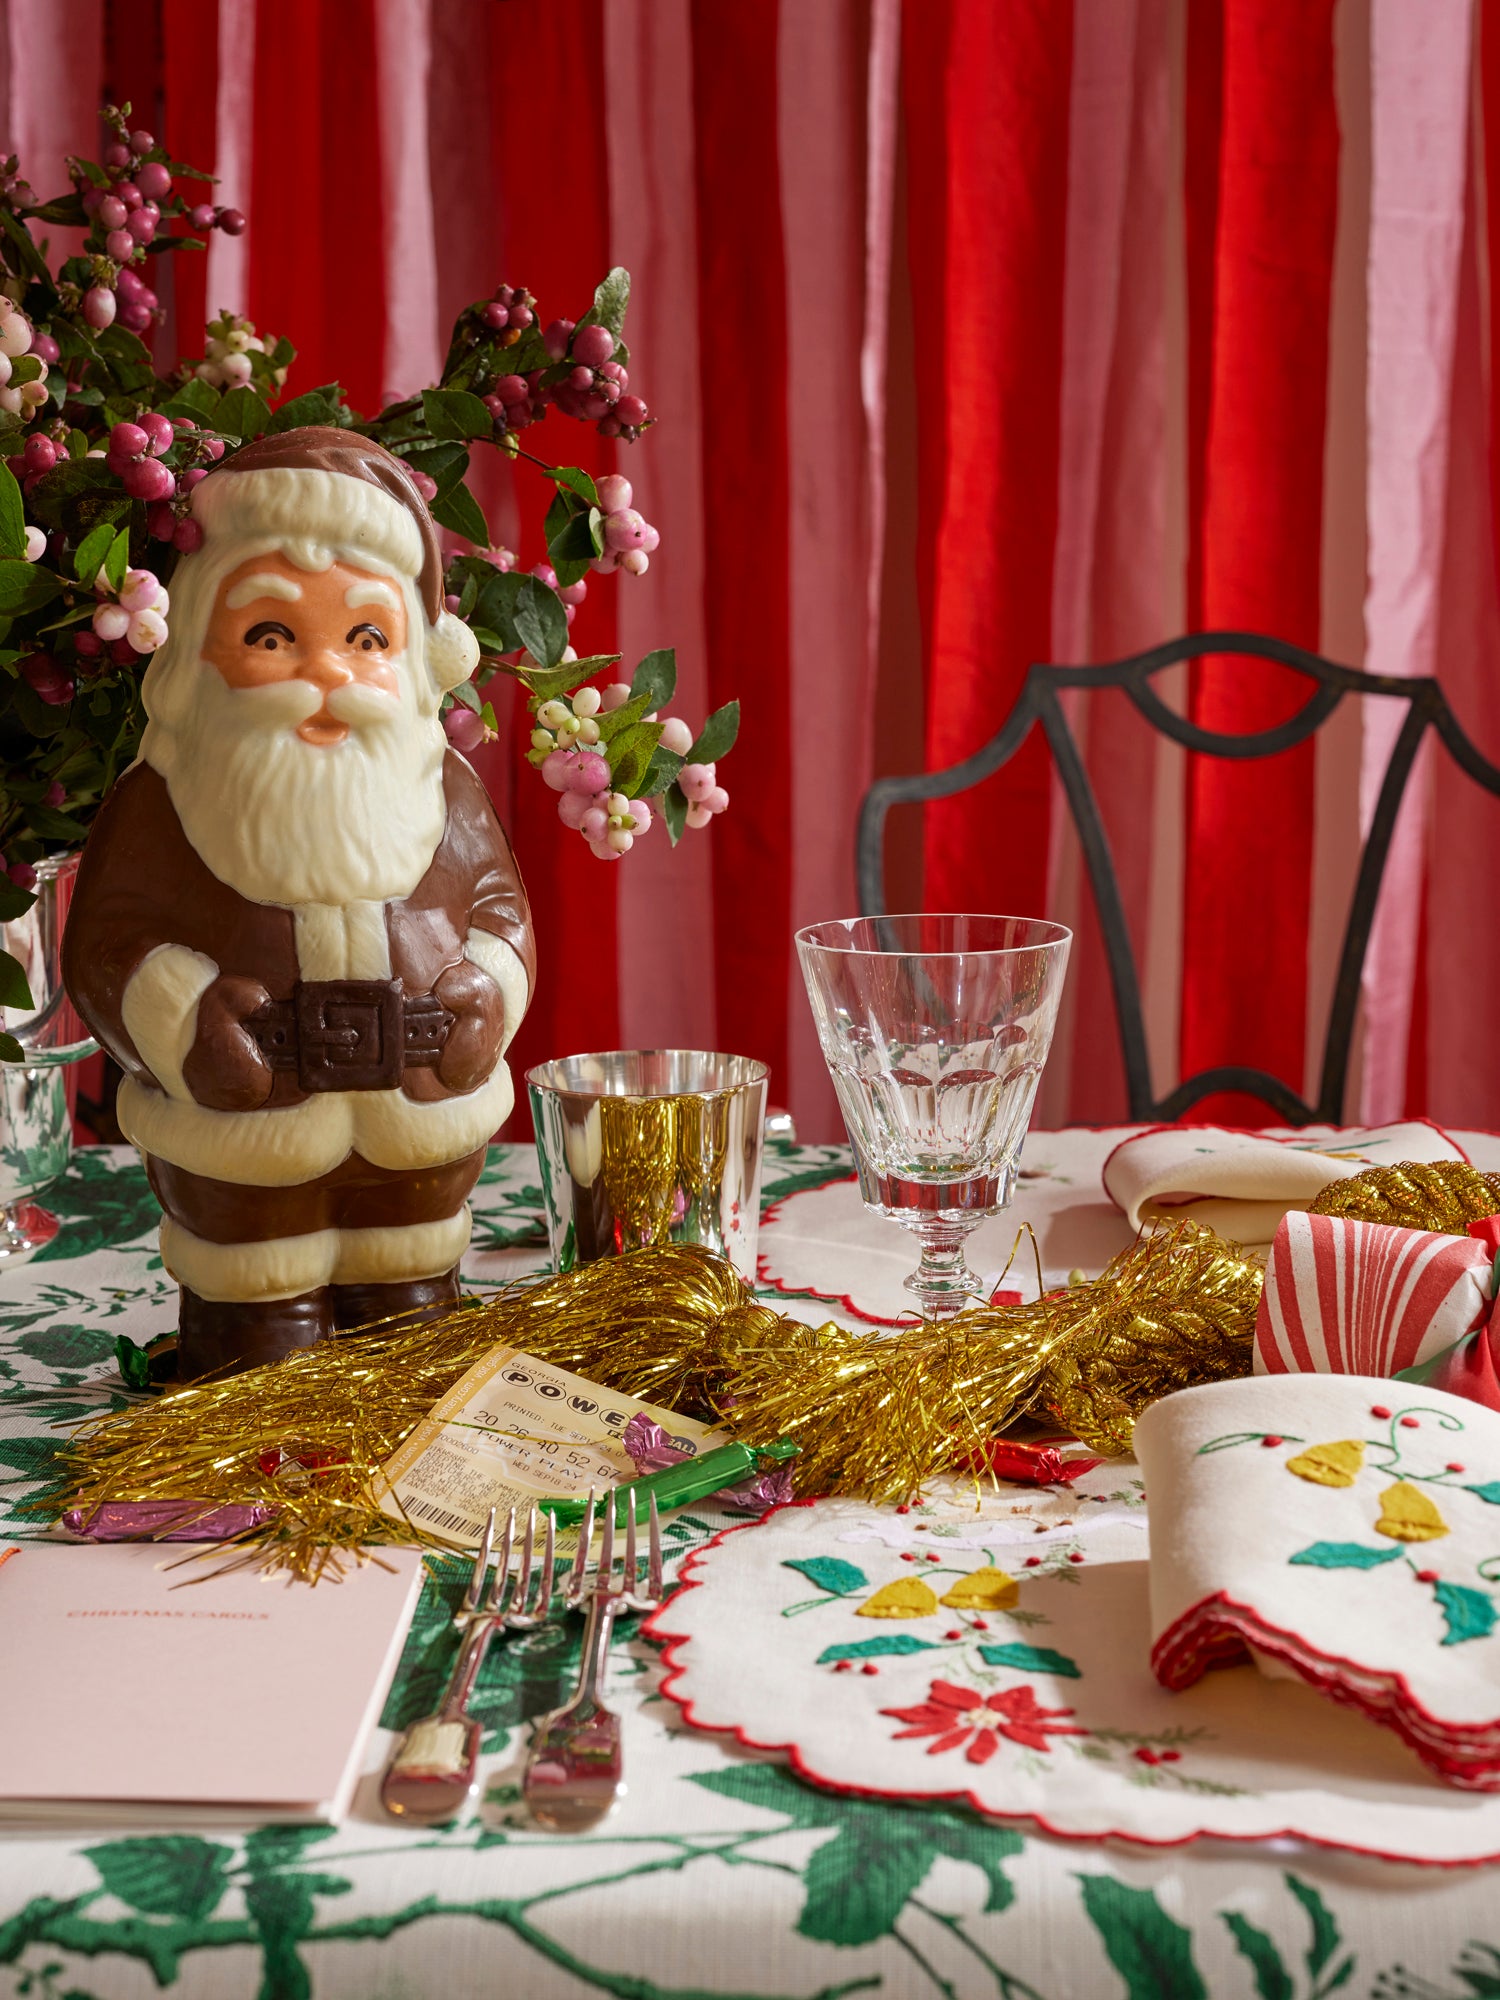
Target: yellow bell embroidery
1330	1464
983	1590
907	1597
1407	1514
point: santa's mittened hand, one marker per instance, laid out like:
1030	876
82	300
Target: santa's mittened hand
226	1068
478	1032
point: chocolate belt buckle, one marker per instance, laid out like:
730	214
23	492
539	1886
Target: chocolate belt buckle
350	1034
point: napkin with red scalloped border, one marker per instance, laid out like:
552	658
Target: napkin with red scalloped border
1343	1530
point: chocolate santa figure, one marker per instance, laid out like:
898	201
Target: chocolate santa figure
298	926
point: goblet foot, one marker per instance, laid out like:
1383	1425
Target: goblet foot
25	1228
942	1281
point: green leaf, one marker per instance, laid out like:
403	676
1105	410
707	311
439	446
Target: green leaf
1490	1491
622	720
88	557
630	757
575	545
577	481
541	622
1325	1931
1151	1951
674	808
830	1573
14	901
1272	1980
716	737
316	406
610	301
12	516
242	414
1031	1660
1470	1613
869	1649
118	560
456	508
662	771
14	990
467	694
31	258
165	1875
1344	1555
656	676
194	399
25	587
859	1882
456	413
121	345
442	462
11	1050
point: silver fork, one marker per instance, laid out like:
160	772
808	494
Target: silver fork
434	1769
575	1772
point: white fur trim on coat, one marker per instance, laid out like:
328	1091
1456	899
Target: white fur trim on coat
299	1142
289	1265
500	960
160	1010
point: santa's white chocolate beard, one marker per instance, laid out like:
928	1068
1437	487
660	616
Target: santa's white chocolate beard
284	821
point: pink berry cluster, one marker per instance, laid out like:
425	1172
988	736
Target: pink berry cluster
630	541
570	595
126	214
610	822
228	346
135	613
136	453
24	358
701	787
596	386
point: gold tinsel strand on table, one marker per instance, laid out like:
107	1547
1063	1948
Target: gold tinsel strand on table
876	1415
1441	1195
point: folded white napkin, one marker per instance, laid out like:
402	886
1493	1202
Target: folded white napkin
1242	1183
1343	1529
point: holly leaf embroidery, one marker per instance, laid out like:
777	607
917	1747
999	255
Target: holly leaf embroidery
1151	1951
1470	1613
830	1573
870	1649
165	1875
1031	1660
1344	1555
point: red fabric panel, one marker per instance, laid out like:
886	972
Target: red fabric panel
1259	539
1489	74
1203	117
743	365
190	56
548	73
316	239
987	146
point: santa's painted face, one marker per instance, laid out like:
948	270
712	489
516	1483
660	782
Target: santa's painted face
272	622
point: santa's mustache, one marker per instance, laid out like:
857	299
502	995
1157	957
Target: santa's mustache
285	705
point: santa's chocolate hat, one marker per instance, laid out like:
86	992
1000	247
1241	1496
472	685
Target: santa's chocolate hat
345	493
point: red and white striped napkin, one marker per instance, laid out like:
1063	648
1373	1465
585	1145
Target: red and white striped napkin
1360	1298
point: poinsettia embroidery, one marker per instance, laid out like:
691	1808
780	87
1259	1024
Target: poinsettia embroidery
954	1715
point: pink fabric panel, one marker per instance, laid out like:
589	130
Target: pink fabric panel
55	56
824	88
1420	137
228	283
1463	957
666	969
403	60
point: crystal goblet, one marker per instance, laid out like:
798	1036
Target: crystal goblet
935	1029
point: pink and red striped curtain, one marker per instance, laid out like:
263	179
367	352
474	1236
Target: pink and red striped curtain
980	332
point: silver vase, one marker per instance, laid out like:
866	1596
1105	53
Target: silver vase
36	1132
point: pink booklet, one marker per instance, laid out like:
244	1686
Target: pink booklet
123	1698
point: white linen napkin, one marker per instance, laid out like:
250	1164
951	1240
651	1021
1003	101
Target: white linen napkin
1242	1183
1341	1528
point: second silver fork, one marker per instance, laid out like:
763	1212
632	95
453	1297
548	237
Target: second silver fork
575	1772
434	1770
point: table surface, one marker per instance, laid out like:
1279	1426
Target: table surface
721	1874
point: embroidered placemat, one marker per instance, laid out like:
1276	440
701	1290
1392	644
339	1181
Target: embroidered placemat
1004	1659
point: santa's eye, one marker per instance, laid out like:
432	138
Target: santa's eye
368	638
269	635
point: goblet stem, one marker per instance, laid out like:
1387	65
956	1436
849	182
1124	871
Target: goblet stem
942	1280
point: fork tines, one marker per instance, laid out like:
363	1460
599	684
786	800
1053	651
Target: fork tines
583	1583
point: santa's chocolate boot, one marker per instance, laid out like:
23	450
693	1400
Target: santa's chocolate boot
224	1336
417	1300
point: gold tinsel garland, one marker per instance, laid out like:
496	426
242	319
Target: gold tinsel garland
876	1415
1441	1195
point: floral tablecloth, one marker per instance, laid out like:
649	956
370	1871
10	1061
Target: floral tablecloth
721	1875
